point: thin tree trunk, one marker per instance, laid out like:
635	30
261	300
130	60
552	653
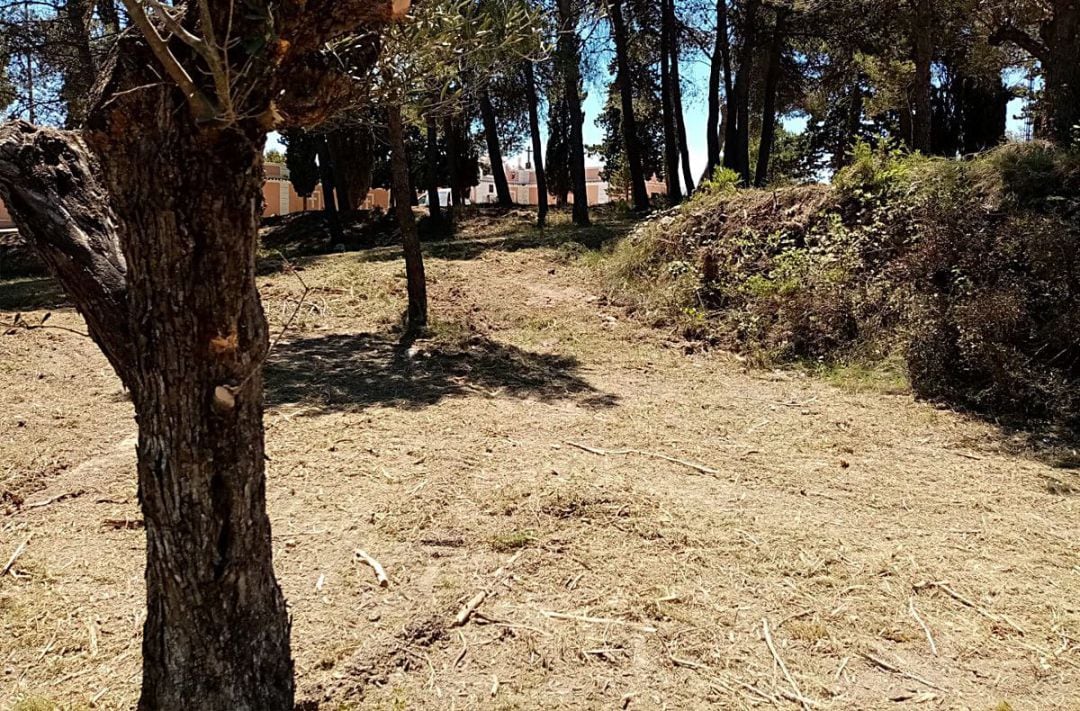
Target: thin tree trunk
570	67
452	151
737	145
923	56
671	143
719	67
491	134
326	176
537	146
434	209
680	123
632	146
416	318
768	115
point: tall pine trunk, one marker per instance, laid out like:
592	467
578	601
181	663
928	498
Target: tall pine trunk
452	160
737	144
768	114
923	54
569	61
537	146
491	135
676	94
434	209
631	144
671	141
416	316
715	71
326	176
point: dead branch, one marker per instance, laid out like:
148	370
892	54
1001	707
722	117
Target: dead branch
879	662
469	608
1001	619
54	499
380	572
655	455
783	667
596	620
926	629
14	557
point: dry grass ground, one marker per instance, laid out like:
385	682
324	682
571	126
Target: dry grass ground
897	555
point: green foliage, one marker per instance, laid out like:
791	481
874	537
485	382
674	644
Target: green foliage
301	150
965	270
274	156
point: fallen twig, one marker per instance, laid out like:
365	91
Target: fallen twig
968	603
878	661
380	573
469	608
655	455
783	667
14	556
596	620
926	629
54	499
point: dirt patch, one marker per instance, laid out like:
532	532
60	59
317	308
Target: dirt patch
857	526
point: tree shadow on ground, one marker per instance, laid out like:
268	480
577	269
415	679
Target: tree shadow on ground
26	294
522	237
346	371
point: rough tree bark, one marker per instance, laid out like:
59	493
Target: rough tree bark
638	194
491	136
416	316
569	64
149	220
537	145
768	114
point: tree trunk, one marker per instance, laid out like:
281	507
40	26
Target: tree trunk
326	175
676	95
671	143
452	161
537	146
922	42
768	114
1061	91
416	317
719	66
491	134
737	146
570	68
434	209
149	219
352	154
186	332
639	195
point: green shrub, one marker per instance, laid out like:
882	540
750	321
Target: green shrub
969	269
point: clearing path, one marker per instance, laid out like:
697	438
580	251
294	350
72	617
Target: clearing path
637	528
